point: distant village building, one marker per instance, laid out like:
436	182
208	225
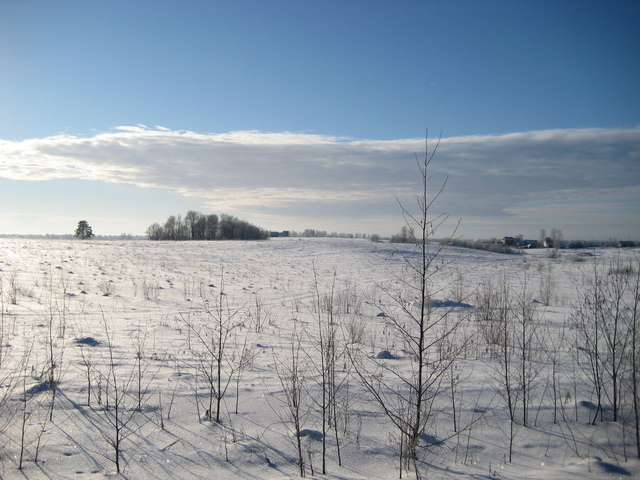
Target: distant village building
284	233
509	241
519	242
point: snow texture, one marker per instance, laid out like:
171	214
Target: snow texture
132	310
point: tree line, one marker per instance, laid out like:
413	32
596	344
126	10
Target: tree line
198	226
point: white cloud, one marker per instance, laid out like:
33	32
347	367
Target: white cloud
285	173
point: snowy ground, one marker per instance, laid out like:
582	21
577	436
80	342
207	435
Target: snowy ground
117	315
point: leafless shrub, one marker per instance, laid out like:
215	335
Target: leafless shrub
259	314
14	288
192	287
356	329
487	301
547	287
107	287
459	289
347	300
150	289
86	348
618	268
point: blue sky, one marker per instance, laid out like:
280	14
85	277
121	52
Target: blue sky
305	114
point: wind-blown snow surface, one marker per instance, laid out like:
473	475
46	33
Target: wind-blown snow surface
71	300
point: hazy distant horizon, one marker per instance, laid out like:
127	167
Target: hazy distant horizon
300	234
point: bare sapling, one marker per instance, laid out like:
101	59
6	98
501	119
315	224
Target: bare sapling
616	334
210	340
54	350
293	377
328	353
11	377
325	347
139	339
414	324
552	349
4	332
34	409
634	323
526	340
243	360
10	382
453	384
174	391
63	303
586	320
24	420
506	368
119	412
86	348
54	341
604	331
486	302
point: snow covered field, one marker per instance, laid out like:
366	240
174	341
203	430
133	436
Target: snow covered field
129	333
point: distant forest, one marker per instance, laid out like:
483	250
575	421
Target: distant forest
197	226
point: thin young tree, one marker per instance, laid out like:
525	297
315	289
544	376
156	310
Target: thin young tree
120	414
8	371
54	349
209	342
326	342
527	332
487	299
505	367
600	318
10	380
139	340
242	359
635	353
586	319
617	332
418	327
553	347
86	349
292	375
24	420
